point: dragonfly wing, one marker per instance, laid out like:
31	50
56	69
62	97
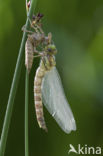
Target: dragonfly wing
55	101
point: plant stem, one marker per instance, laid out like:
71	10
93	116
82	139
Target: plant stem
14	86
26	113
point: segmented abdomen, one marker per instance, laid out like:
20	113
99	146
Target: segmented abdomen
28	55
38	97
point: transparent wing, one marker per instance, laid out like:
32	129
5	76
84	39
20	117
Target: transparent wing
56	102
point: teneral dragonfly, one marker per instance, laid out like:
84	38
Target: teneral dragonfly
47	84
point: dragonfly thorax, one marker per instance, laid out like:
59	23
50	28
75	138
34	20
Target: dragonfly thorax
48	62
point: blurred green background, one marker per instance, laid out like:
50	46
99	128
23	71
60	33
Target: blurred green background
77	28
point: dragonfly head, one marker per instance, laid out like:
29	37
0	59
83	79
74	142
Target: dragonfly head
51	49
49	59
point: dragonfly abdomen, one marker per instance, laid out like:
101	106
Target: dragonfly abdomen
38	97
28	55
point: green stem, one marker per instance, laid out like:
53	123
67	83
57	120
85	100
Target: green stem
14	86
26	113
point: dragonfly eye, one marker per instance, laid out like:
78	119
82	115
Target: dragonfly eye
49	50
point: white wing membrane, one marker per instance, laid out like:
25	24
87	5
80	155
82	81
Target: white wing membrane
56	102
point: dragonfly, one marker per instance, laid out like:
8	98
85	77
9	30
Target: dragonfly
48	89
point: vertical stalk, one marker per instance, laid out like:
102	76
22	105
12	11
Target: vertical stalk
14	85
26	113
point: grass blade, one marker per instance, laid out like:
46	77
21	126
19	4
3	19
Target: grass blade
26	113
14	86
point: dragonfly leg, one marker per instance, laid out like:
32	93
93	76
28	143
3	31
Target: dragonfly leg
31	24
36	51
37	56
35	28
25	30
40	54
40	28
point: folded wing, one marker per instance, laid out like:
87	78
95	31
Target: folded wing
55	101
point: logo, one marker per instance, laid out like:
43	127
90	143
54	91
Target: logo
84	150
